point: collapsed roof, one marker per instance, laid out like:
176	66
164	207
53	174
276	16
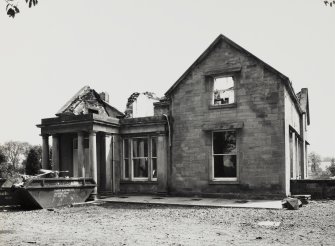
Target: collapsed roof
87	101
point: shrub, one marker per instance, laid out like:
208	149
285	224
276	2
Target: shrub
33	163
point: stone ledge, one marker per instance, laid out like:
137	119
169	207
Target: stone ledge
222	106
222	182
138	182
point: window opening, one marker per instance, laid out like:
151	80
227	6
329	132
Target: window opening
223	91
224	155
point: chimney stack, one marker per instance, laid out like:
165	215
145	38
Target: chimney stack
104	96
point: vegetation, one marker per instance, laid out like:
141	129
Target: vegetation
12	6
33	161
315	160
15	152
331	168
20	157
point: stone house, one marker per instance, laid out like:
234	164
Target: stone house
231	126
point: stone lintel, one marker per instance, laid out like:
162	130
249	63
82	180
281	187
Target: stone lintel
222	126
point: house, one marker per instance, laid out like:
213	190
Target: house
231	125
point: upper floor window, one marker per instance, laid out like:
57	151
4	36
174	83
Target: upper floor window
223	91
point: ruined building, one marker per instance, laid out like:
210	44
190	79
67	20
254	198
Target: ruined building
231	125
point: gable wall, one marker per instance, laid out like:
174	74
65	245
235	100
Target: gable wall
259	97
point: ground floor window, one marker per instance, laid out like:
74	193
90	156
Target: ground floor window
140	158
224	159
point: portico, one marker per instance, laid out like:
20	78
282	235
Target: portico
84	146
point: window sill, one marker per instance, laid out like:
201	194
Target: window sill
221	106
138	182
221	182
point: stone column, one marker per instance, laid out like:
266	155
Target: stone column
55	152
93	160
294	156
81	155
45	151
303	148
108	162
162	164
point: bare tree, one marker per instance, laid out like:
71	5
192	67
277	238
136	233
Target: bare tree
331	168
15	151
315	160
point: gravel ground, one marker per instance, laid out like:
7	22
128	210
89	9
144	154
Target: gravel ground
132	224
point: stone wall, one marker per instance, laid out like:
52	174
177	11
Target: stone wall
318	189
259	105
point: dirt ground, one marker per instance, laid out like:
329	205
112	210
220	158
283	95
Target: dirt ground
132	224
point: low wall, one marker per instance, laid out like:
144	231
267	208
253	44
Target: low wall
318	189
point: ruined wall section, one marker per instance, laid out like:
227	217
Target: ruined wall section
259	96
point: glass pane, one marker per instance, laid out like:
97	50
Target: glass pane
126	168
224	142
140	168
154	167
225	166
223	90
154	147
140	147
126	148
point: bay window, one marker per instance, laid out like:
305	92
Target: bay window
140	158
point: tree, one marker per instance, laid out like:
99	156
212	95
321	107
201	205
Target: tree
331	168
315	161
15	152
331	3
12	6
33	161
2	157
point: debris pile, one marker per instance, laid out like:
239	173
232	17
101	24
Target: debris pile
295	201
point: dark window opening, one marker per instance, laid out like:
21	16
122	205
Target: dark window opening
224	155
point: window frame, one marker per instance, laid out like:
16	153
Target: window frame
131	159
228	179
215	77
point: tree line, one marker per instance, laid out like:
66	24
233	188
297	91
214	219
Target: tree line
18	158
315	160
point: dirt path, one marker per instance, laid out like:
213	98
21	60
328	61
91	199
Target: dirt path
130	224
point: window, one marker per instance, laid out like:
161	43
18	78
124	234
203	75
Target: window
223	91
224	164
126	154
140	158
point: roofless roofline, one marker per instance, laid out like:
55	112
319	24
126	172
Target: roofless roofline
79	93
224	38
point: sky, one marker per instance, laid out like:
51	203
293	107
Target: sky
49	52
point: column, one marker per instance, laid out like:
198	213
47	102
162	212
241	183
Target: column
303	148
162	164
93	159
55	152
81	155
294	156
45	151
108	171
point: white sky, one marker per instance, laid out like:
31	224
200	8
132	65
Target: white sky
49	52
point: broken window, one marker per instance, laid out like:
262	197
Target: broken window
224	155
223	91
140	158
